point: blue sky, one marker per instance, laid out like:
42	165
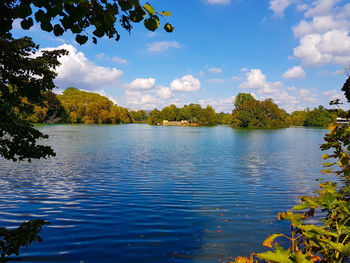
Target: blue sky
293	51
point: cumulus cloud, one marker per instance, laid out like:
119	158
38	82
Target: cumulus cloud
162	46
77	70
215	70
103	93
142	84
296	72
278	6
319	25
220	105
321	7
288	98
257	80
164	93
187	83
137	100
119	60
319	49
324	34
220	2
333	95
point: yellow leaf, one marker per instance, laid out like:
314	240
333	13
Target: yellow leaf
325	156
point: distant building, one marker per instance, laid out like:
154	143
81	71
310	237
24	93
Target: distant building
174	123
343	121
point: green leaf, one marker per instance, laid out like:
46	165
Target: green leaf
276	256
46	26
168	28
301	258
58	30
150	10
39	15
98	32
125	5
328	164
81	39
27	23
137	15
152	23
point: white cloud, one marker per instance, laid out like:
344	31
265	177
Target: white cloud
119	60
302	7
333	95
142	84
319	49
201	73
296	72
216	80
220	2
304	92
278	6
288	98
324	34
162	46
319	25
186	84
220	105
137	100
339	73
321	7
215	70
257	80
77	70
103	93
164	93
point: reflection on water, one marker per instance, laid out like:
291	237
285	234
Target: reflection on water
137	193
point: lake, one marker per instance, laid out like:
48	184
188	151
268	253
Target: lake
139	193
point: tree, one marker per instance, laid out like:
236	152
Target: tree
346	88
23	75
241	98
155	117
299	118
170	113
85	19
252	113
320	116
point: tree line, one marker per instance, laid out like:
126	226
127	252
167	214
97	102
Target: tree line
77	106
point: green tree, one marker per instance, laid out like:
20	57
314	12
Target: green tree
155	117
139	116
242	98
252	113
320	116
299	118
170	113
23	76
93	18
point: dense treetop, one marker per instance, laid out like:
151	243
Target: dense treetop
193	113
85	19
23	75
252	113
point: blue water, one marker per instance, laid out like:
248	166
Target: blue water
139	193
